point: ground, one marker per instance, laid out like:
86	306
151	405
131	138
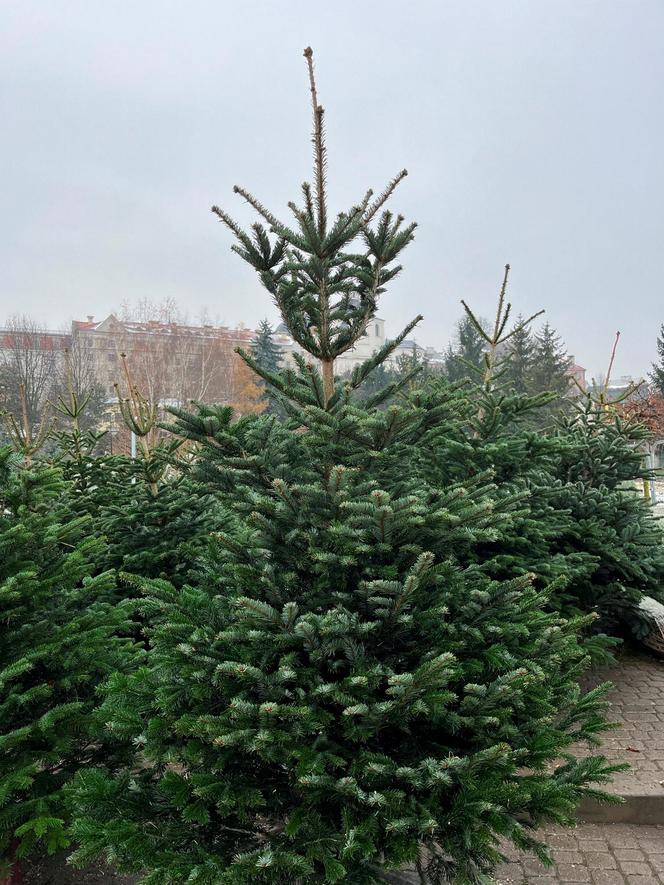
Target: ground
56	871
601	854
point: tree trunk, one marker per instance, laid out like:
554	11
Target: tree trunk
328	379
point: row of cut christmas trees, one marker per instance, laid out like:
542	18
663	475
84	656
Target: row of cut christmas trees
316	647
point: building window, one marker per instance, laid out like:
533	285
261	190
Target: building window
377	331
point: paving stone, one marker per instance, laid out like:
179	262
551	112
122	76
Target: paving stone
607	877
629	855
637	706
635	868
572	873
599	860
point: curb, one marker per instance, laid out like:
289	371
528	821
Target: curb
646	809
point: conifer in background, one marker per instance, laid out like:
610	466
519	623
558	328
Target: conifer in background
59	638
264	349
551	363
657	374
465	358
267	354
156	520
337	695
520	363
582	526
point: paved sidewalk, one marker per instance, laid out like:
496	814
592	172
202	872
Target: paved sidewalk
637	703
614	853
601	854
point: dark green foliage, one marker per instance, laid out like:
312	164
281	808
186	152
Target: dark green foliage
58	641
337	690
154	518
598	487
343	686
582	517
465	358
519	365
158	533
551	363
657	374
267	355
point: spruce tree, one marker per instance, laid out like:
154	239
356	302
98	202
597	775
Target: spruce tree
551	363
336	695
657	374
264	349
464	359
58	640
267	355
521	356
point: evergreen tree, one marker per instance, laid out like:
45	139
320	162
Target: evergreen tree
584	521
337	695
267	354
521	355
58	641
465	358
551	363
382	377
657	374
155	519
264	348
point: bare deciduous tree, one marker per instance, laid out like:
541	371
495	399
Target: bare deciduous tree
29	361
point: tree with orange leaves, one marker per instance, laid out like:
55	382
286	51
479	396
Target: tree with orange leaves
245	392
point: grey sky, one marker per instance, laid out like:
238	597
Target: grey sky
533	132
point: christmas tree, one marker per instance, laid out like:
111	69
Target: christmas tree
59	640
154	518
336	695
581	524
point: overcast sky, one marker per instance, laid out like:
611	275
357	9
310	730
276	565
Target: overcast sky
533	132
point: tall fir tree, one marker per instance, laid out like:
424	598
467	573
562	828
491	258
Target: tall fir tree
337	696
657	374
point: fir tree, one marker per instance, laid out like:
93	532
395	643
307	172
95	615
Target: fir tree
58	642
578	486
657	374
153	516
336	695
465	358
264	349
520	365
551	363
